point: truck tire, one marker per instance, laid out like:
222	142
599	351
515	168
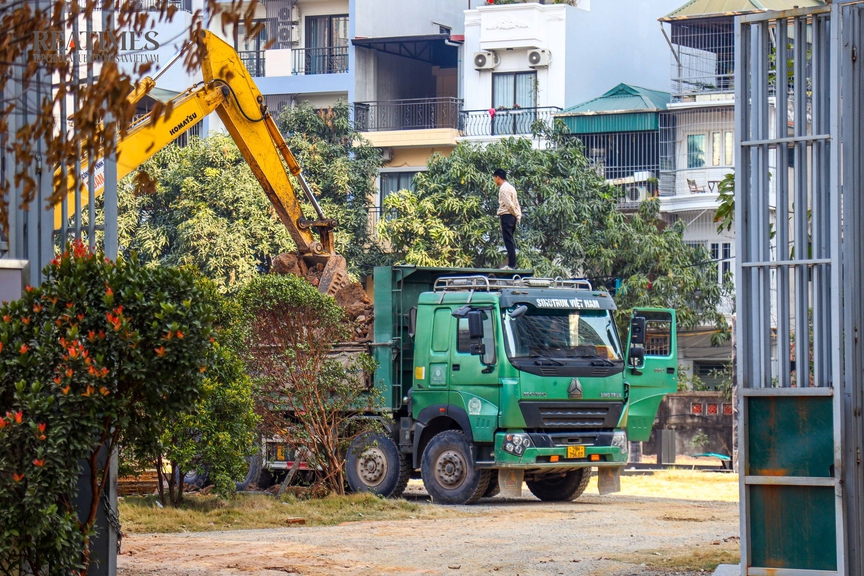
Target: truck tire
374	464
448	470
253	470
494	488
561	488
197	477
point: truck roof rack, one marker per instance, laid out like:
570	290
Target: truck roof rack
494	284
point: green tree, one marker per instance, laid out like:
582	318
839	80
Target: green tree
208	211
341	168
570	227
310	397
97	357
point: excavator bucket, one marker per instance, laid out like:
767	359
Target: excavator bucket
335	276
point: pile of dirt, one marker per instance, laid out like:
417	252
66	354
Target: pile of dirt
352	298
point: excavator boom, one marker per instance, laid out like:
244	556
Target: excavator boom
228	89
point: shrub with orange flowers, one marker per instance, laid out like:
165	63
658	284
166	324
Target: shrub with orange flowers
85	367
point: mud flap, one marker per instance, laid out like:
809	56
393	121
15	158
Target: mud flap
510	482
335	276
609	480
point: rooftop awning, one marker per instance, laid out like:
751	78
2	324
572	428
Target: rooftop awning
624	108
432	48
695	9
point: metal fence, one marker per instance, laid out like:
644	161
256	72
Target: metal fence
800	247
151	5
330	60
254	61
702	56
510	122
409	114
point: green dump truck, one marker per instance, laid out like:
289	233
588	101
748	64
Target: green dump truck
494	377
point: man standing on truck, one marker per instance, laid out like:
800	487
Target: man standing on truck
510	214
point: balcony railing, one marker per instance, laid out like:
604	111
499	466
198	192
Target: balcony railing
509	122
150	5
409	114
254	61
331	60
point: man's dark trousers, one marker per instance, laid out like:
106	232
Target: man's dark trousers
508	226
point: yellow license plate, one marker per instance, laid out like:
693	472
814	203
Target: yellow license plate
575	451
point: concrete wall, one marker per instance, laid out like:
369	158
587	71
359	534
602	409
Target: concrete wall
676	414
384	18
382	76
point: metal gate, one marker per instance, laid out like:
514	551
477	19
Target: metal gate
799	168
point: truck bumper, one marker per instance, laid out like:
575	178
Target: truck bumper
556	457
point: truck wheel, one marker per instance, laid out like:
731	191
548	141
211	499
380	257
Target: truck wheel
253	470
197	477
374	464
494	488
561	488
448	470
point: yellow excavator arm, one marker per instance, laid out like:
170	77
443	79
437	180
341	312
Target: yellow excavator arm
228	89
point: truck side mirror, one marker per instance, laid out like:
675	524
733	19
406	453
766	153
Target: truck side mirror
636	357
518	311
475	326
637	330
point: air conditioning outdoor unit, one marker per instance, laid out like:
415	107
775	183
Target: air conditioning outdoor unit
539	58
637	193
486	60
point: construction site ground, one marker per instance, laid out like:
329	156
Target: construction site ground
680	523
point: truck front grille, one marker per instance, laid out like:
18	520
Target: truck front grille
571	415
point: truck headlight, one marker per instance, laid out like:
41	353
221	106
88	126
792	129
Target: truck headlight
619	439
516	443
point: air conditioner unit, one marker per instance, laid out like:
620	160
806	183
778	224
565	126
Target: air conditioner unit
295	14
539	58
637	193
486	60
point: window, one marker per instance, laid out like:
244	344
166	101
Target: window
394	181
722	250
695	151
730	149
514	97
722	148
712	374
251	50
327	31
463	342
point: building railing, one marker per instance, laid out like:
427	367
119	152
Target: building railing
509	122
254	61
150	5
408	114
329	60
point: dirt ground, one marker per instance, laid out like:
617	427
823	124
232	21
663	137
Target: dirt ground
614	535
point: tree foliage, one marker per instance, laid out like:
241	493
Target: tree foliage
37	46
208	211
96	357
341	168
571	226
309	396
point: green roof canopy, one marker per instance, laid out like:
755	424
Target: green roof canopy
624	108
707	8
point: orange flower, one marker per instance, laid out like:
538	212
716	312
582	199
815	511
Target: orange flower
73	352
118	310
18	416
69	304
38	462
7	318
102	334
179	334
17	477
160	351
104	372
24	348
80	317
2	423
203	369
109	291
91	370
169	335
26	320
91	335
66	390
29	288
57	380
1	347
89	392
37	308
41	428
104	391
69	372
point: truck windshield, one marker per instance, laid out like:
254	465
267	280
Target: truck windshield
588	334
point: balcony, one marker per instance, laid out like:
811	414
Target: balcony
329	60
408	114
510	122
151	5
254	62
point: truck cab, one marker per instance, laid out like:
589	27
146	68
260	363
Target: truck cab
518	378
